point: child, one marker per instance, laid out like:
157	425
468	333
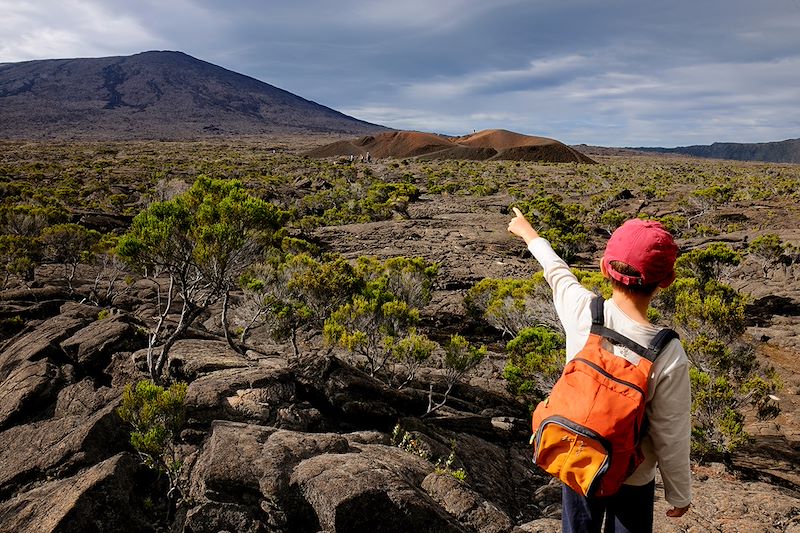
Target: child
639	258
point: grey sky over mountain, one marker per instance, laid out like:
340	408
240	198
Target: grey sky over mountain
612	73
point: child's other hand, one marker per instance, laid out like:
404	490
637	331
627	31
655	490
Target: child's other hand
520	227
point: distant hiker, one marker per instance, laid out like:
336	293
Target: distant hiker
368	157
352	157
639	258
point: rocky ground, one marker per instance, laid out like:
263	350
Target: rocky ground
276	444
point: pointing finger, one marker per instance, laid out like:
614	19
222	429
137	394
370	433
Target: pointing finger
517	212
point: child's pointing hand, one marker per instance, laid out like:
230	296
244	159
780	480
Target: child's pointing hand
521	227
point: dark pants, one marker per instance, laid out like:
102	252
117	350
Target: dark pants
628	511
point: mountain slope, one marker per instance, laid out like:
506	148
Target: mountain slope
787	151
152	95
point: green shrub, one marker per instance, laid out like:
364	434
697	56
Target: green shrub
70	244
768	250
727	379
717	424
156	417
535	359
712	262
381	315
560	223
511	305
411	351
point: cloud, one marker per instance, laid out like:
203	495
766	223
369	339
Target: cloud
614	73
69	28
537	73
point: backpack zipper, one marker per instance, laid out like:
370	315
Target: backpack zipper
572	426
610	376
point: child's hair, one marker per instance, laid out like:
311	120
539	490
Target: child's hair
632	289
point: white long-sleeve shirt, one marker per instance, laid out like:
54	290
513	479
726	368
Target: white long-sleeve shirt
667	441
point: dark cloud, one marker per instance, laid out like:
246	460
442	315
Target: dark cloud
612	73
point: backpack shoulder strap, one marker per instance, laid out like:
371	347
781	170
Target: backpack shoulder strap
597	305
659	342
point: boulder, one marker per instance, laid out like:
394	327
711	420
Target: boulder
255	477
100	498
501	472
215	517
80	310
28	310
263	462
352	398
82	399
286	481
372	488
33	367
245	395
469	507
541	525
59	446
122	370
34	294
190	358
27	390
91	347
41	343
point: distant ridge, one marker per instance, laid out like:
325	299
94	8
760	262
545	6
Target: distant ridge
156	94
481	146
787	151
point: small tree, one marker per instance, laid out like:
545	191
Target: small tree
29	220
611	219
19	256
371	326
412	352
269	301
156	417
717	424
460	357
409	279
768	250
714	262
294	293
322	285
703	201
200	242
380	316
70	244
109	270
20	242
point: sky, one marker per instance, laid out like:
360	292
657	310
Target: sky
607	73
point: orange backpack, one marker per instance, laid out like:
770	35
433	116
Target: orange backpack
588	432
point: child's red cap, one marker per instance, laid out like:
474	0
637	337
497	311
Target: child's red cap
646	246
